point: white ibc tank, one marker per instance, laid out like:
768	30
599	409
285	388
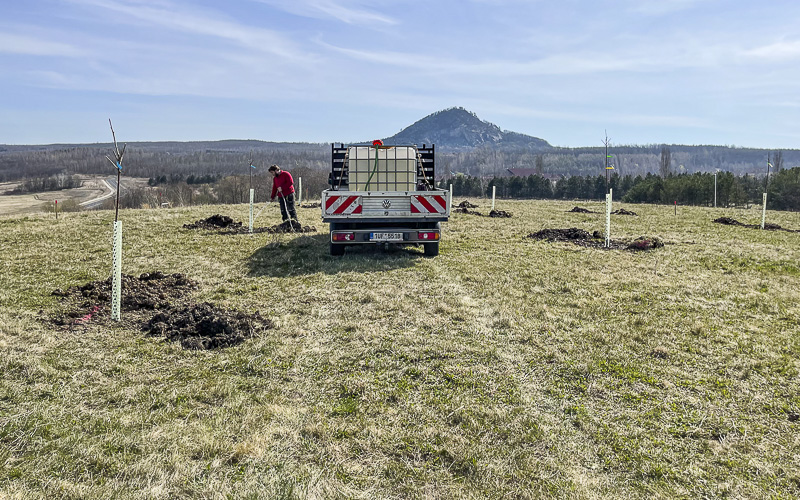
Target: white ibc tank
390	168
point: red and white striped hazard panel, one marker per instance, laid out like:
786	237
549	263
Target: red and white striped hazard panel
428	204
342	205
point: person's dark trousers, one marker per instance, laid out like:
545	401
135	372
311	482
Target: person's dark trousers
287	207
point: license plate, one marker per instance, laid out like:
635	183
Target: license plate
385	236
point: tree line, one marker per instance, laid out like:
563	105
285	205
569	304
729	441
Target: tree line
52	183
156	160
783	189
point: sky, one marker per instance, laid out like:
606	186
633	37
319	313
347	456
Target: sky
722	72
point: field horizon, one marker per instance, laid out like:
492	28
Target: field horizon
504	367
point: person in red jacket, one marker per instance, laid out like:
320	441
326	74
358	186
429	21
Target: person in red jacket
283	187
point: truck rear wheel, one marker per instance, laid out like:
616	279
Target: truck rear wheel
431	249
337	250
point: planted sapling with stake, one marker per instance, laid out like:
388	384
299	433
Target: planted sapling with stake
116	259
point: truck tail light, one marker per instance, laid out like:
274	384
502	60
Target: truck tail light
428	235
343	237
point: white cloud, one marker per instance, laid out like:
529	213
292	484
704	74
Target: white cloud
780	51
661	7
195	21
344	11
33	46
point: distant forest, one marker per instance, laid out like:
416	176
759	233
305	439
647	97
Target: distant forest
157	159
783	189
218	171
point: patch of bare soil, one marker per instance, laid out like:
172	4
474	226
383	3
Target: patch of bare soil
311	205
622	211
595	240
216	221
289	226
467	211
466	204
570	234
500	213
581	210
770	227
149	291
206	326
645	243
158	304
226	225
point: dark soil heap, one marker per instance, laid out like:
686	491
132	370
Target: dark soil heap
289	226
203	326
206	326
216	221
570	234
641	243
622	211
466	211
581	210
728	221
466	204
500	214
311	205
149	291
595	240
771	227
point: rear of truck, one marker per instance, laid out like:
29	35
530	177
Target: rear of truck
384	195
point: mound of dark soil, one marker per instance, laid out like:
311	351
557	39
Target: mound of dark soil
770	227
595	240
466	204
206	326
158	304
225	225
728	221
465	210
641	243
149	291
311	205
570	234
289	226
500	213
581	210
622	211
214	222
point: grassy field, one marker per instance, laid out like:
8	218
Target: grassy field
503	368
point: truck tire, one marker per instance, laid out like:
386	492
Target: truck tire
337	250
431	249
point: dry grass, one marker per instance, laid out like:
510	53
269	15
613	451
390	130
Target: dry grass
505	367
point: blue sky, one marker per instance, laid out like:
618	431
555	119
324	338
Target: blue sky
647	71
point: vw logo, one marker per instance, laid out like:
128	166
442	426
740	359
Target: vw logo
387	204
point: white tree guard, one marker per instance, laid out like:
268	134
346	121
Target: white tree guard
494	190
764	212
252	197
299	190
450	199
608	218
116	272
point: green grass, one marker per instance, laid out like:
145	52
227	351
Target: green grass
504	367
